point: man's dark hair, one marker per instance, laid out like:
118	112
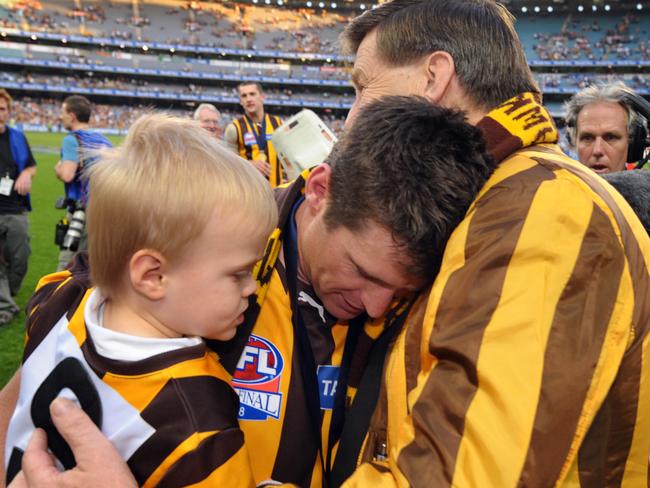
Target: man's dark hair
80	106
248	83
413	168
478	34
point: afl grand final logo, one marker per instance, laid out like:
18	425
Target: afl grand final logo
257	380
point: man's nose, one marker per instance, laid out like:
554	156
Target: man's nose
599	145
376	300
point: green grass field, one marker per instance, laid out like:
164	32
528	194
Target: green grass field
45	190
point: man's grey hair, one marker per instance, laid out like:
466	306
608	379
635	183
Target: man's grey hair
614	92
206	106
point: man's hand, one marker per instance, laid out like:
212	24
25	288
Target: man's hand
98	463
263	166
23	183
8	400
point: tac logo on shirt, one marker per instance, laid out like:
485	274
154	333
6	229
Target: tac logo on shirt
328	378
257	380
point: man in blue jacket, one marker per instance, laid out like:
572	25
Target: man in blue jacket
76	156
17	168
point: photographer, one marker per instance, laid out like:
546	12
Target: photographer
76	155
17	168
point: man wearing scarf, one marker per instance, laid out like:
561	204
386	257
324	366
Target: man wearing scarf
526	362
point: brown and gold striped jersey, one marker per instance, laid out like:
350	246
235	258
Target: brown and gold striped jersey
247	134
527	362
172	416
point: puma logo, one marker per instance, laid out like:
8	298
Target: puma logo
303	297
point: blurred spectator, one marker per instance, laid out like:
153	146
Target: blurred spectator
210	119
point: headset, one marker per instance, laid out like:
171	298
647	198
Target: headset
639	137
640	133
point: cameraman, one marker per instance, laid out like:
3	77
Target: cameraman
76	154
17	168
608	127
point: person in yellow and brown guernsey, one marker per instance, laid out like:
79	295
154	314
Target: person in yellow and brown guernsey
526	362
125	339
251	134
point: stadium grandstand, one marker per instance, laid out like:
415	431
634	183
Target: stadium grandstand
175	55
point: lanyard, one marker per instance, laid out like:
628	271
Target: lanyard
305	352
260	136
340	406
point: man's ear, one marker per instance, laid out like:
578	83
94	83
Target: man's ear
317	188
147	273
440	72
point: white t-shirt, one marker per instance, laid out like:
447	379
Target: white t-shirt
126	347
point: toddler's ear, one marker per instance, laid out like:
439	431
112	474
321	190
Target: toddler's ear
146	272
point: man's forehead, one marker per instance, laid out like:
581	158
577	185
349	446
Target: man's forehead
376	254
208	114
366	52
602	127
248	89
368	45
599	112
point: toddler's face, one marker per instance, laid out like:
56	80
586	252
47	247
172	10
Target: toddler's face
210	283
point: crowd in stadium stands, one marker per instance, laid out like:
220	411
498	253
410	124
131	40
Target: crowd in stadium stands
193	65
627	39
47	112
232	26
121	83
304	30
549	81
298	31
569	37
